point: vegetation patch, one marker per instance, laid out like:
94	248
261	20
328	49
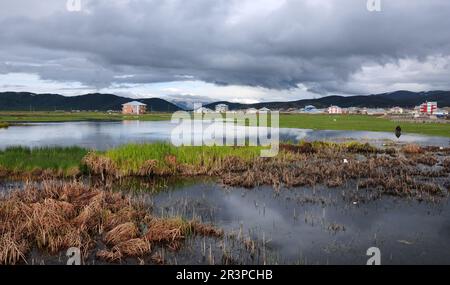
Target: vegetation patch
360	123
409	171
164	159
56	216
22	116
49	161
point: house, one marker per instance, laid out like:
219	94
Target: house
441	113
221	108
428	108
134	108
334	110
310	109
376	111
354	110
396	110
251	111
203	110
264	110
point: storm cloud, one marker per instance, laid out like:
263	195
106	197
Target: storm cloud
323	46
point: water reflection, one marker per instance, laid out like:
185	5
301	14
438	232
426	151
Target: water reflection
398	132
407	232
104	135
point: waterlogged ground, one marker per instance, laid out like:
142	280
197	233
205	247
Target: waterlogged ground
307	226
299	225
315	225
104	135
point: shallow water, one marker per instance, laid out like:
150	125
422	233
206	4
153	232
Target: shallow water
318	226
295	226
104	135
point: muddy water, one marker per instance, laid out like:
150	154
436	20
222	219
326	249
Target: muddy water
318	226
104	135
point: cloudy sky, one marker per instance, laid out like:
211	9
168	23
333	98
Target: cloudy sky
236	50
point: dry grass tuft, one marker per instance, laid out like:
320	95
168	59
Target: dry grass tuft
100	165
412	149
206	230
149	167
167	230
134	247
11	250
54	216
121	233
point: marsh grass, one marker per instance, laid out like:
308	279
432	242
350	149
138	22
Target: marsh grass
47	116
4	125
54	216
132	158
60	160
396	171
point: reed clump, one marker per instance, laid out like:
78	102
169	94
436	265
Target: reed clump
412	149
25	163
163	159
304	164
54	216
332	166
446	164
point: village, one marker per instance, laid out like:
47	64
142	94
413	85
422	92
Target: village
426	111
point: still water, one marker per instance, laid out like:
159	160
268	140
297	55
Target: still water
104	135
296	226
319	225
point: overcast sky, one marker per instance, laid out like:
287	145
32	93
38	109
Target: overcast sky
237	50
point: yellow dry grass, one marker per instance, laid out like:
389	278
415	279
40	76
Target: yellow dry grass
54	216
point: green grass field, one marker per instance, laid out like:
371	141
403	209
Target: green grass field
131	157
302	121
18	117
23	159
128	158
360	123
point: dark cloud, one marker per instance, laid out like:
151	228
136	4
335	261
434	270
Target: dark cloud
273	44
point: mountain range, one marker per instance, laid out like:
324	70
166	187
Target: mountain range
405	99
24	101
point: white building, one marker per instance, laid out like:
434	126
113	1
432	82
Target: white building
334	110
134	108
428	108
396	110
203	110
251	111
264	110
376	111
354	110
221	108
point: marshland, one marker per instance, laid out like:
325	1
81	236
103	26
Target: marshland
124	195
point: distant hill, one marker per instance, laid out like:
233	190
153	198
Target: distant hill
404	99
23	101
